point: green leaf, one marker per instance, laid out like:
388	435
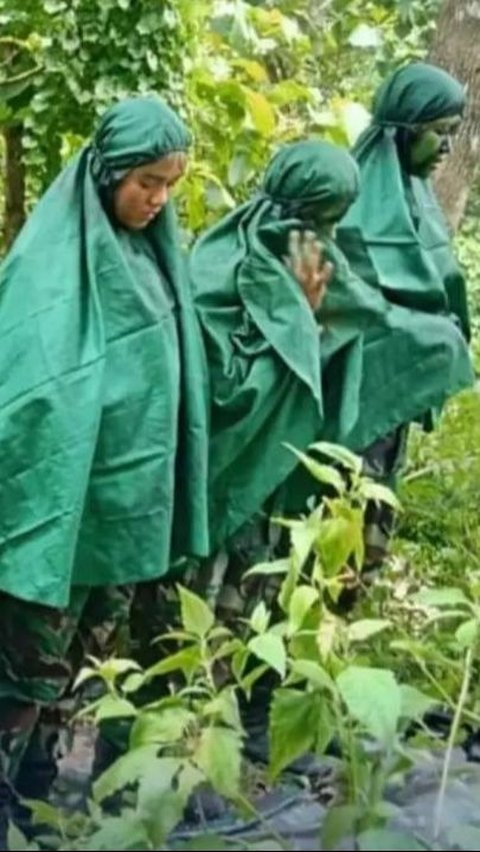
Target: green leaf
167	726
126	770
43	813
289	584
467	634
329	630
302	600
113	707
414	703
302	538
293	726
386	838
340	822
122	833
16	841
373	698
86	673
225	707
359	631
379	494
254	69
326	728
260	618
262	113
289	91
271	650
207	842
334	544
441	597
197	617
133	683
340	454
265	569
219	756
113	668
159	805
314	673
249	680
186	660
322	472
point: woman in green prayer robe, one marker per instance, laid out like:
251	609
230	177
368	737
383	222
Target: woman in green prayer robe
396	239
102	408
281	371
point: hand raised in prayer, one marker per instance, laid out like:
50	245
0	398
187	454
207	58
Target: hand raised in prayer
306	262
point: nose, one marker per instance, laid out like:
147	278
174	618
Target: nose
159	197
445	145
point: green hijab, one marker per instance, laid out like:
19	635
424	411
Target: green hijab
264	345
102	402
395	235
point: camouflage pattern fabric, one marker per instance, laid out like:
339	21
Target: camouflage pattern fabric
382	461
41	649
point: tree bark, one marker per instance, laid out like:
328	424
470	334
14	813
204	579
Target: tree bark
14	187
456	48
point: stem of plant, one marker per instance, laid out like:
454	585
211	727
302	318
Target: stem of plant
451	742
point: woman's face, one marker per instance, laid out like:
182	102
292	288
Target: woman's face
431	142
144	191
324	219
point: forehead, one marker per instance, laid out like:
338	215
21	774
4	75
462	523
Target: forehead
171	165
442	124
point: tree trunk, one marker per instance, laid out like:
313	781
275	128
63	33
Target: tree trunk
456	49
14	216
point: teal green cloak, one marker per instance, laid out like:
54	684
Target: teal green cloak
394	235
278	373
102	402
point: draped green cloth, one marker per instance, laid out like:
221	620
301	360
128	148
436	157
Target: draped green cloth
395	235
278	373
103	397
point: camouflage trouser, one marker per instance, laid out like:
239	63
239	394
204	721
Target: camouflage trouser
41	649
382	461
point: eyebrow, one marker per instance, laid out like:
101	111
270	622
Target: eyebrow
152	176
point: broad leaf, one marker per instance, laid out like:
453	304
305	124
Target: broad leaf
359	631
339	454
197	617
340	822
262	113
441	597
379	494
113	707
219	756
126	770
373	698
314	673
301	602
467	634
186	660
123	833
293	726
160	804
302	538
271	650
414	704
334	544
264	569
322	472
167	726
260	618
